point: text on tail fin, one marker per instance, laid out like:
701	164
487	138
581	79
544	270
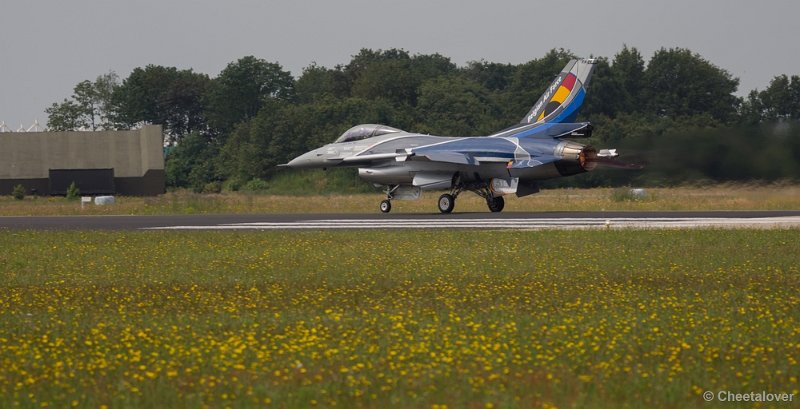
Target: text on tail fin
561	100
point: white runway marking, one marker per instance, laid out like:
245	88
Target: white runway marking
517	224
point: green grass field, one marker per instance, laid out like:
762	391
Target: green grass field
714	197
345	319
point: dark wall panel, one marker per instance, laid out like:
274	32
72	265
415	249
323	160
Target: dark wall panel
32	186
152	183
88	181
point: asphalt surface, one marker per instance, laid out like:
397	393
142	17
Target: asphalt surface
254	220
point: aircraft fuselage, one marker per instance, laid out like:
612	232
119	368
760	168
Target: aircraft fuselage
510	161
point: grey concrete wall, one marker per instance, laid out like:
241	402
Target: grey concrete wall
30	155
137	157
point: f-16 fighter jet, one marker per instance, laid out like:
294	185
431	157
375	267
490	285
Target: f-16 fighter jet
510	161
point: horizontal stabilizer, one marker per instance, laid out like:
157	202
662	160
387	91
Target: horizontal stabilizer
578	130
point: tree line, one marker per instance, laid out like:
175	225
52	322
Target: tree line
677	112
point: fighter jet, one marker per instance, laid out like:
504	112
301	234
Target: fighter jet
510	161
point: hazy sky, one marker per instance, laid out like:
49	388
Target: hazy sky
47	46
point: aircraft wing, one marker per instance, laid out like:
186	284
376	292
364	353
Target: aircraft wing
400	156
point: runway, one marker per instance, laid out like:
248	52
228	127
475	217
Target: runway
371	221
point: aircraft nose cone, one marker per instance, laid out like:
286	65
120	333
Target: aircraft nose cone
306	160
296	162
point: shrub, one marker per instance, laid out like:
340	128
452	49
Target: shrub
18	192
212	187
73	192
255	185
232	185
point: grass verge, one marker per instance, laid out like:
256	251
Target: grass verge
718	197
397	319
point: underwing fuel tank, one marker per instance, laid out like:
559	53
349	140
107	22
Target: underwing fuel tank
395	175
500	187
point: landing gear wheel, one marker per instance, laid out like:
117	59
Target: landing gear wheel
446	203
496	204
386	206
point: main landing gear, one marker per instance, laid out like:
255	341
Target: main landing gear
447	201
496	204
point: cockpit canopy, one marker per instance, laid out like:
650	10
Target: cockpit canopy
365	131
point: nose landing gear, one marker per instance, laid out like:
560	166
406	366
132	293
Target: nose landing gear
386	206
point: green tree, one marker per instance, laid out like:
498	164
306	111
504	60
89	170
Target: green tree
184	103
616	87
751	111
627	70
191	163
457	106
391	79
366	57
428	66
393	74
606	95
86	98
66	116
315	82
492	76
165	96
89	107
237	159
242	89
103	90
781	99
681	83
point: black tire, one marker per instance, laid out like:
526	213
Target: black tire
386	206
496	204
446	203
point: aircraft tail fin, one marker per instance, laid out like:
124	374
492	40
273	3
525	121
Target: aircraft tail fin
562	99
